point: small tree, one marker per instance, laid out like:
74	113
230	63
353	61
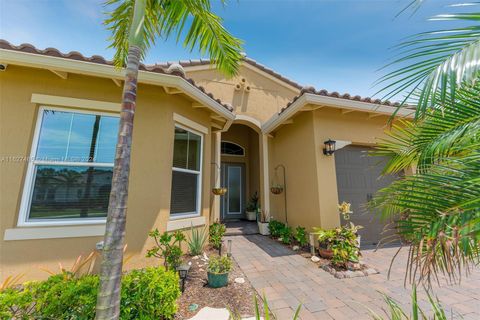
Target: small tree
135	24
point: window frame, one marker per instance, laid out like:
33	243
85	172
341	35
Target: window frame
232	155
199	173
26	201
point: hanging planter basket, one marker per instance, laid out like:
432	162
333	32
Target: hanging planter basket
219	191
276	190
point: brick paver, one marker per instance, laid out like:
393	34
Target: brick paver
287	279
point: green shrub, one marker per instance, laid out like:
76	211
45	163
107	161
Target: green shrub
168	247
301	236
275	228
216	232
196	241
150	293
286	235
219	264
16	304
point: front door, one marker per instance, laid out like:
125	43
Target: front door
233	178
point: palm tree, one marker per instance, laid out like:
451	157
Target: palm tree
135	24
438	207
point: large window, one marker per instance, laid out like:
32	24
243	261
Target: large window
186	175
70	172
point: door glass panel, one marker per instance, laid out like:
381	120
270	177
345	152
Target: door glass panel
234	187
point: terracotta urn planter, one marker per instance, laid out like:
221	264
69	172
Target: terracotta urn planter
324	251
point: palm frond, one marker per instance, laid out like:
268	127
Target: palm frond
437	209
449	130
438	63
191	19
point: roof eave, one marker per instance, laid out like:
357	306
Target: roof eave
309	98
106	71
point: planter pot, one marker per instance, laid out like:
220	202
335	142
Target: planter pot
217	280
263	228
276	190
325	253
219	191
251	215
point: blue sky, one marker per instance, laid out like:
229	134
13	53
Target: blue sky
337	45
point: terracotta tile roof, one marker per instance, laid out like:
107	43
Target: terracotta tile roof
171	69
200	62
335	94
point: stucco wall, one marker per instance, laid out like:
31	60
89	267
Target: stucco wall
357	127
312	195
265	98
293	147
151	163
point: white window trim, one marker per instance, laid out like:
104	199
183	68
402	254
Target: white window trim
29	177
191	126
179	224
54	232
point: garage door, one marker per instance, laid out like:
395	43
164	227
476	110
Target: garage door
358	178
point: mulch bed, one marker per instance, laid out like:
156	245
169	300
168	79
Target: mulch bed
235	296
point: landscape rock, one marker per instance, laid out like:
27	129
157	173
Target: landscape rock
296	248
208	313
315	259
239	280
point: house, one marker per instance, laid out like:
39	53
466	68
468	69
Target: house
194	130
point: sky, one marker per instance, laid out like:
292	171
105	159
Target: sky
338	45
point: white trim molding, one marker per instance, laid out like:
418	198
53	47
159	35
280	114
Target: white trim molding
179	224
189	123
54	232
75	102
250	120
308	98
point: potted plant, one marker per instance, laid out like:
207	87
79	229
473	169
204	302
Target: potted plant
263	224
345	211
325	241
252	206
276	189
218	269
219	191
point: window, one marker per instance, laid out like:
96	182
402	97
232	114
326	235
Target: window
70	173
186	175
231	149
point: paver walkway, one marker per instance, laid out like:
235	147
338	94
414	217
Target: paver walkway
287	279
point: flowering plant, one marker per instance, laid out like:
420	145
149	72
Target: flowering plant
344	209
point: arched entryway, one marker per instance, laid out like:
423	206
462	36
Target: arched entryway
240	170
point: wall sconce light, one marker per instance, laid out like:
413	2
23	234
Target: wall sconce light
329	147
183	272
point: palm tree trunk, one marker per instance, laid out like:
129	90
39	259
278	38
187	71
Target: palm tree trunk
108	300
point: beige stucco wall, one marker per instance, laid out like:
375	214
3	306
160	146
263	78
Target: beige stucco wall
150	177
266	97
312	195
293	147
